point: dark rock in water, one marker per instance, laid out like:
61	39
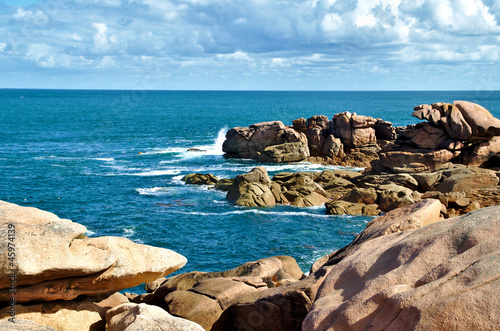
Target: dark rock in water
200	179
196	150
224	184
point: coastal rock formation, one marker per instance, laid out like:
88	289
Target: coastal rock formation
23	325
204	297
288	152
460	133
252	189
444	274
57	261
285	307
200	179
132	316
83	314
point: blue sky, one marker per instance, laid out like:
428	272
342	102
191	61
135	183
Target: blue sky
251	44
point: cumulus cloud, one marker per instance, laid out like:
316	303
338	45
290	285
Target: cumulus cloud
292	38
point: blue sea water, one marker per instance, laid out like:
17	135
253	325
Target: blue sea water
113	161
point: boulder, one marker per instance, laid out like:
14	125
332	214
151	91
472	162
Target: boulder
288	152
468	179
443	275
427	180
284	308
446	116
236	143
482	154
332	147
384	130
23	325
344	208
224	184
366	196
252	189
482	123
316	141
311	200
300	125
204	297
392	196
200	179
57	261
131	316
265	134
354	130
425	135
406	159
375	181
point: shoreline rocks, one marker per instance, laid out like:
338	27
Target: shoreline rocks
458	133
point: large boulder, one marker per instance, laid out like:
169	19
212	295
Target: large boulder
448	117
483	124
85	314
392	196
443	275
55	260
285	307
132	317
284	153
484	153
467	179
354	130
252	189
200	179
204	297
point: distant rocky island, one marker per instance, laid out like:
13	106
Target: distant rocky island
430	260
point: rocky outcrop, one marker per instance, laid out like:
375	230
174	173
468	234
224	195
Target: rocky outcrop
23	325
132	316
288	152
205	297
200	179
252	189
348	139
57	261
460	133
444	274
82	314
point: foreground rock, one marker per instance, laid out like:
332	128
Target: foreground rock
444	274
131	316
205	297
57	261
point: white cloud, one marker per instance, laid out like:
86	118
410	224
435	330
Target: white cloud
236	56
2	47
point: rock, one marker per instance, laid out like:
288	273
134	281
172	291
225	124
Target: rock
404	180
448	117
265	134
252	189
365	196
131	316
203	297
284	308
354	130
473	206
196	150
482	123
310	200
224	184
393	196
200	179
481	154
344	208
316	141
23	325
427	180
384	130
300	125
58	262
418	279
405	159
425	135
332	147
339	182
61	315
236	143
468	179
288	152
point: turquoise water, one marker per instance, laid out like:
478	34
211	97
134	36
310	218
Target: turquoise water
76	153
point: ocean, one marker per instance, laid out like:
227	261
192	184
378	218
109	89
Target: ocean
113	161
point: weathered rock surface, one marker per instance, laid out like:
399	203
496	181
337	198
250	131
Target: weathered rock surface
86	314
288	152
204	297
200	179
131	316
482	123
252	189
467	179
56	261
23	325
443	275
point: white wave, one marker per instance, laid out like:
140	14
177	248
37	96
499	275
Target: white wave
177	180
256	211
153	173
128	232
90	233
153	190
105	159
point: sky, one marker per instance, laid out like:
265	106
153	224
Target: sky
250	44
